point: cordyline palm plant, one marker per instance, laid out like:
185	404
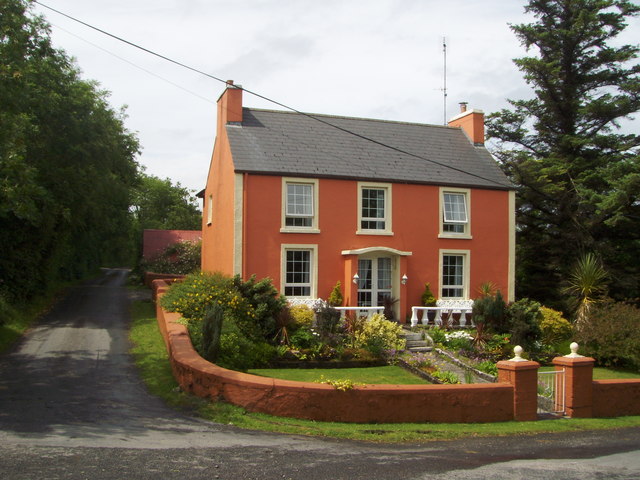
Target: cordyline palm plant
587	283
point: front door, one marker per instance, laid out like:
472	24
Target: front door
375	282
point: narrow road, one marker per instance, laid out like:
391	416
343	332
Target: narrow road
73	407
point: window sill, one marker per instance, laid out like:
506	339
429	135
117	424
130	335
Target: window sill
459	237
374	232
299	230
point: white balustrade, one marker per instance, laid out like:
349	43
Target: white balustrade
444	309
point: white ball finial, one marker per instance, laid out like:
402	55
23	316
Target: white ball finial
574	351
518	350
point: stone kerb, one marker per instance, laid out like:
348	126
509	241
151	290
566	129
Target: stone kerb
315	401
523	376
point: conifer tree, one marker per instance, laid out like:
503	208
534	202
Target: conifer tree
577	172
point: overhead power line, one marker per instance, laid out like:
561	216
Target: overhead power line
275	102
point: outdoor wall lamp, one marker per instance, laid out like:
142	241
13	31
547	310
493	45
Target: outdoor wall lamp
404	279
356	278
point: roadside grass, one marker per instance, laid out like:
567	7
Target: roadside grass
391	375
18	318
152	360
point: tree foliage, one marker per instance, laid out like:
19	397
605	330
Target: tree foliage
67	163
160	204
577	173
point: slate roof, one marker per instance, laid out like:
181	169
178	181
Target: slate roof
287	143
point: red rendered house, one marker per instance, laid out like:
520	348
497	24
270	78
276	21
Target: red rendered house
383	207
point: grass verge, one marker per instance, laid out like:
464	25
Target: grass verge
18	318
151	358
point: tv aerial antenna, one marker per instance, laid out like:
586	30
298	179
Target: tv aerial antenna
444	88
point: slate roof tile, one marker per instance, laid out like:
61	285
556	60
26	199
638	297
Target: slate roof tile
288	143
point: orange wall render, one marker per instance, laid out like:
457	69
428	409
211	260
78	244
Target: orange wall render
415	224
218	237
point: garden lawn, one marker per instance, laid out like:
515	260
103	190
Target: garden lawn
388	375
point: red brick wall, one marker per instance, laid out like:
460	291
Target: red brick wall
155	241
614	398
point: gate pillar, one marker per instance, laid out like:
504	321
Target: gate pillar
523	375
578	383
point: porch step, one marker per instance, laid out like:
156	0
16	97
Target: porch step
419	349
416	343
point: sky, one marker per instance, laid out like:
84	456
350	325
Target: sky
360	58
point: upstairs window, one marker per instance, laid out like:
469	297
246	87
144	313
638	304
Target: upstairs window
455	213
299	205
299	198
374	209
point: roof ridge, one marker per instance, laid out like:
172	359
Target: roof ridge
344	117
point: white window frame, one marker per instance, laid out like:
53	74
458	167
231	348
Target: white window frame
313	273
466	234
466	270
210	209
387	230
314	184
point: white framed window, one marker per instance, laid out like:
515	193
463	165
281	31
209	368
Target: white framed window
209	209
374	209
299	271
455	216
299	205
454	274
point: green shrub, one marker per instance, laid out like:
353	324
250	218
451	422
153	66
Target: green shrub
437	334
238	352
265	302
197	293
327	321
379	335
211	331
490	311
524	319
428	300
180	258
249	322
302	315
612	334
499	346
487	366
555	329
335	298
304	339
458	340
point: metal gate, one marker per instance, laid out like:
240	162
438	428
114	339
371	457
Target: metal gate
551	392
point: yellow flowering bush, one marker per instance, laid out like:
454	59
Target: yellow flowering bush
198	292
379	334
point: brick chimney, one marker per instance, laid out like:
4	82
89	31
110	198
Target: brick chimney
471	121
230	105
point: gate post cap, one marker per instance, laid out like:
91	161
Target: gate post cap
517	351
574	351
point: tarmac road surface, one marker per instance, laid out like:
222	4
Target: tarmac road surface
73	407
